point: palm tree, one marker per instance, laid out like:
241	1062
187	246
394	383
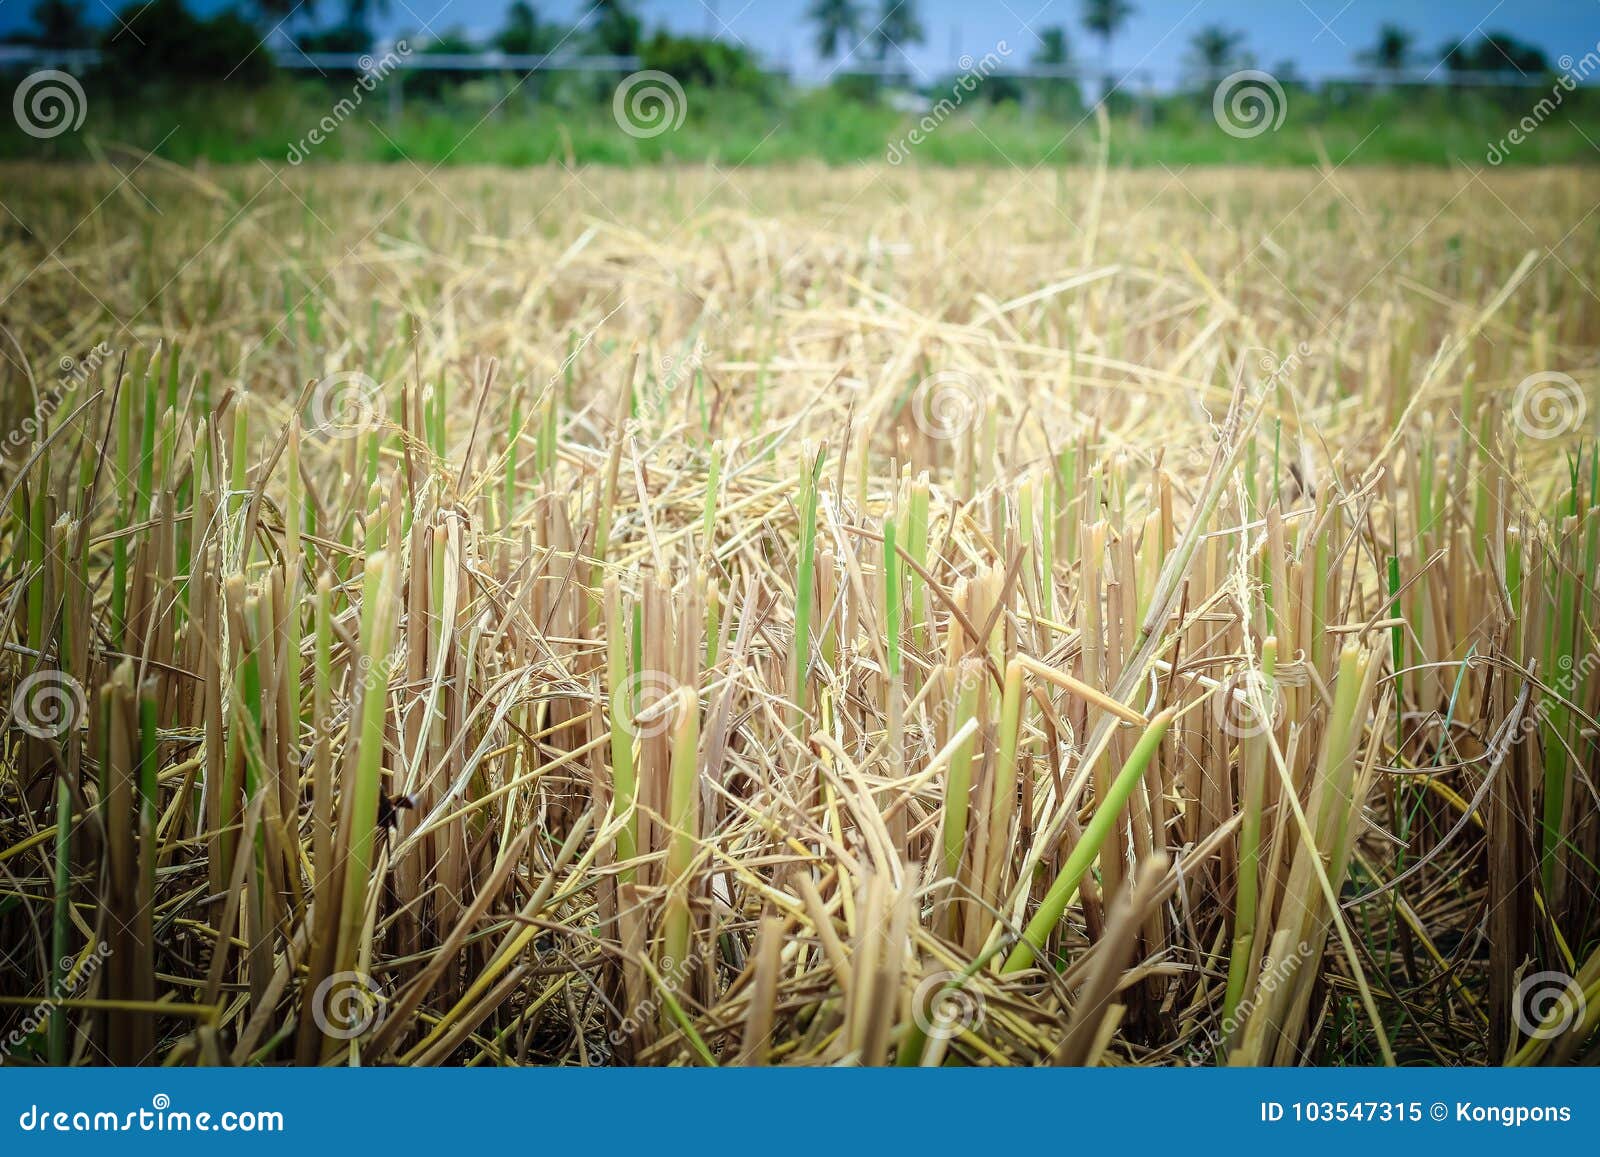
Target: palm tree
1214	52
615	27
1105	18
60	24
838	23
1392	52
274	12
897	27
1054	50
524	34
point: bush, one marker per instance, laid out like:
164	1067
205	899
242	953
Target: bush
705	63
862	88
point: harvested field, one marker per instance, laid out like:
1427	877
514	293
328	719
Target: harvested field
799	616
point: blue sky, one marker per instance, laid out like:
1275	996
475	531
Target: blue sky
1322	37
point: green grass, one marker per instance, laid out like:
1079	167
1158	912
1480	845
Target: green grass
473	125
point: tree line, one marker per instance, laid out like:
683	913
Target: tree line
164	39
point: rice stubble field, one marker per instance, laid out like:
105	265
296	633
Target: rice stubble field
799	616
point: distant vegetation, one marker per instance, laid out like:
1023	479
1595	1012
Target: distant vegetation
213	87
